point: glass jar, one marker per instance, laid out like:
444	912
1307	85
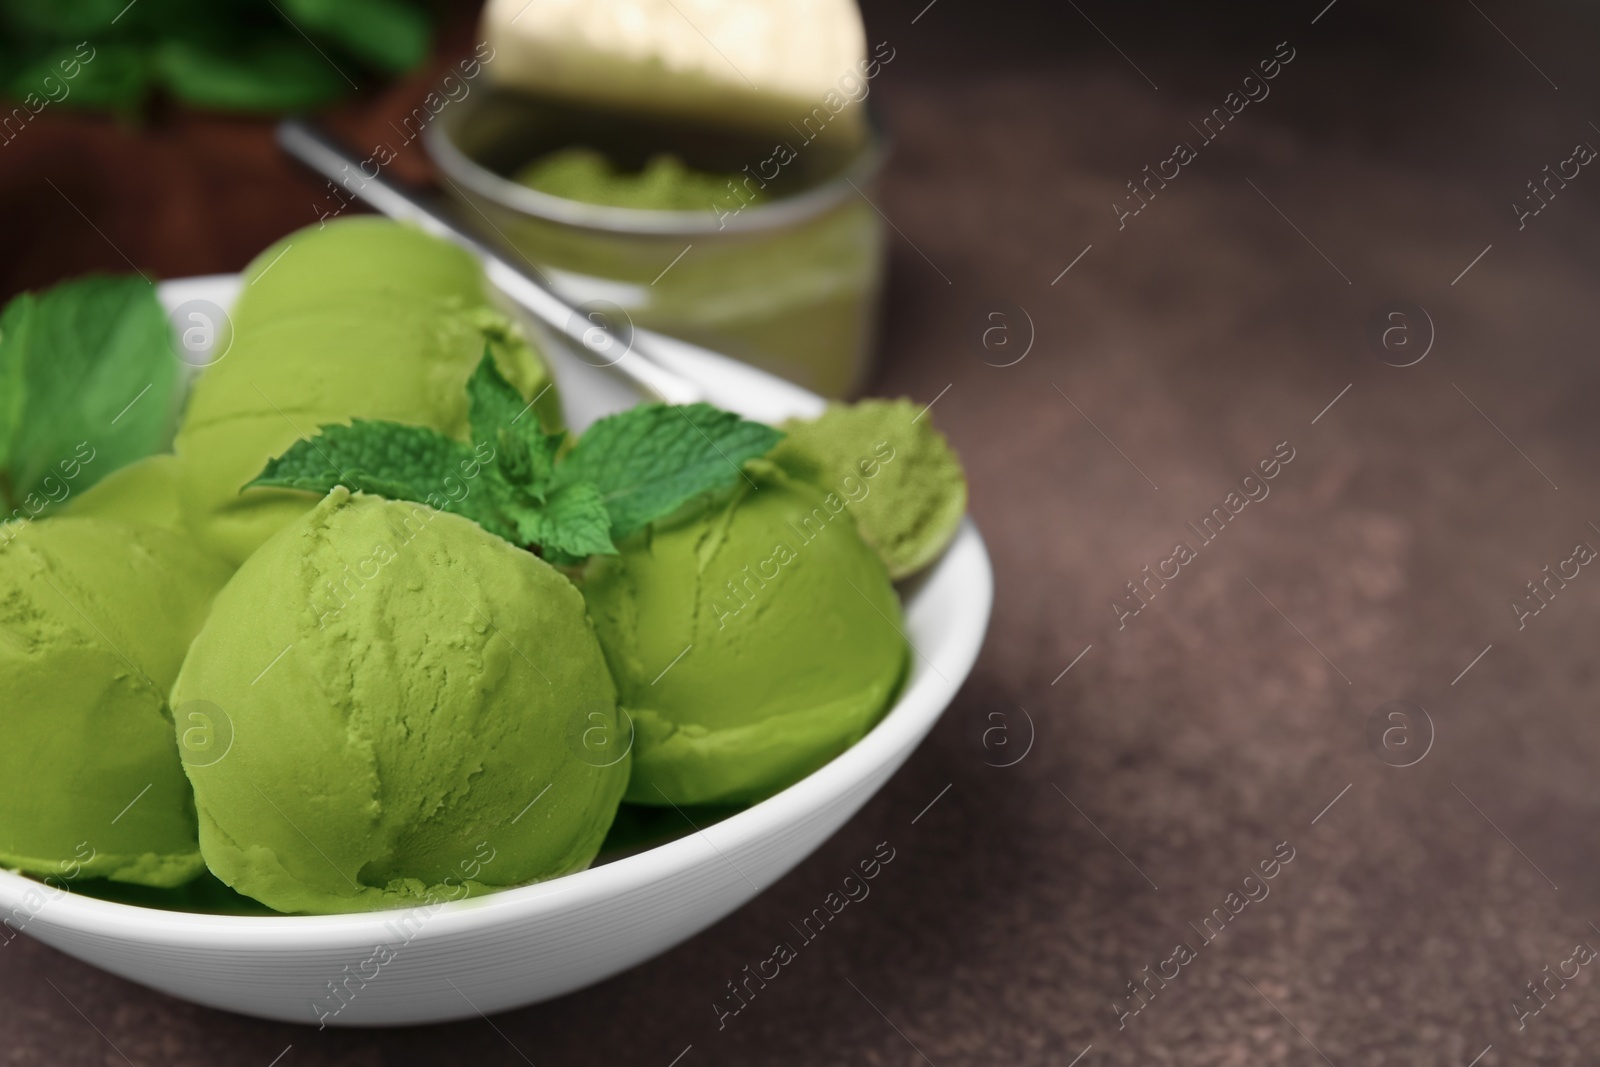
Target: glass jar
790	283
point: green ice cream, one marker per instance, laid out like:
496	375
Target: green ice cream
144	492
663	184
418	711
752	641
905	485
363	318
95	618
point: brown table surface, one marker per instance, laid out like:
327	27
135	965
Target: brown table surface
1182	747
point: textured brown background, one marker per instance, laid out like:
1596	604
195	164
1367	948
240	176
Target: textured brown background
1207	731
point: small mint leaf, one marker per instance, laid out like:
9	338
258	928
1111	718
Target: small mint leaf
504	421
515	462
649	460
493	404
399	462
529	461
572	522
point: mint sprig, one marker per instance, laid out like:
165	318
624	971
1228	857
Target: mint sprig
624	472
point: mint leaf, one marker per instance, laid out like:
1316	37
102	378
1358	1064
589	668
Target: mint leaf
65	18
648	460
274	71
493	404
502	420
529	465
86	371
391	36
572	522
400	462
114	73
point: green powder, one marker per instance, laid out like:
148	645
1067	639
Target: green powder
665	183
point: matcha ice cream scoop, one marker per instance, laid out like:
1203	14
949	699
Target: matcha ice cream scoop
145	491
363	318
95	618
905	485
418	710
752	641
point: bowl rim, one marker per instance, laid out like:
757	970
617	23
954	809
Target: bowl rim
462	170
927	693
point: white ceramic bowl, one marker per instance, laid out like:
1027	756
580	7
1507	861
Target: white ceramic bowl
524	945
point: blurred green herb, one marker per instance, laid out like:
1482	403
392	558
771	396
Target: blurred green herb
87	380
232	55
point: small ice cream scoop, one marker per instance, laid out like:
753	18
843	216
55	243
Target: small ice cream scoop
905	486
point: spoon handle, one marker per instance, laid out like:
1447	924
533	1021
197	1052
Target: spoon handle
591	335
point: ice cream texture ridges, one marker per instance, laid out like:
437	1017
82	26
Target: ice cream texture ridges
95	618
752	641
415	706
360	318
